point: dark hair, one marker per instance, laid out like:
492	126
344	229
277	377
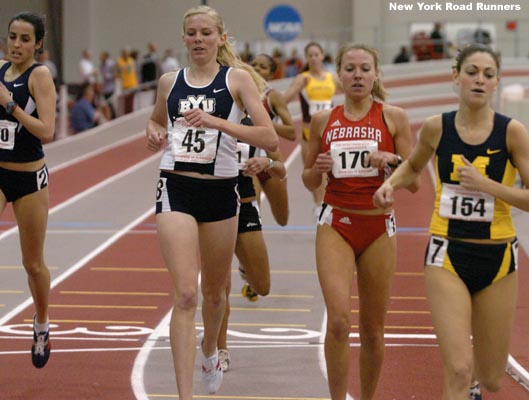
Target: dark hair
271	62
315	44
38	22
472	48
82	90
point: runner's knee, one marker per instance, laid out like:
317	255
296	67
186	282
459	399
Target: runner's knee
460	374
34	267
339	327
186	300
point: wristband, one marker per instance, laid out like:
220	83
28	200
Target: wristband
270	163
11	106
399	161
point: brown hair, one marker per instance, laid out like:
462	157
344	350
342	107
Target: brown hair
313	44
472	48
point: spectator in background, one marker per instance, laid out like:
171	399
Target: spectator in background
482	36
438	43
150	65
135	54
246	55
86	68
294	64
451	50
169	62
277	55
126	72
84	114
44	59
328	63
403	56
107	69
421	45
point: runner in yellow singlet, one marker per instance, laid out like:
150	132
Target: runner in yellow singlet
316	88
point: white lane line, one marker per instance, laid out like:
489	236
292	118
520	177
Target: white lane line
97	232
97	152
101	247
74	268
89	191
100	130
518	373
137	378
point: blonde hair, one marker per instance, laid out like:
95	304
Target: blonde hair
378	90
226	55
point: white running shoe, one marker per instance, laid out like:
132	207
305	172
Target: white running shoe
210	368
475	391
224	358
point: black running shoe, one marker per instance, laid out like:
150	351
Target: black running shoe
41	348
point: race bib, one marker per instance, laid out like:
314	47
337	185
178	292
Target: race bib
436	251
8	130
315	106
42	178
468	205
349	158
391	225
243	155
193	145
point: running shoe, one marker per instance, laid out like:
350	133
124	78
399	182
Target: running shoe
210	368
224	358
475	391
41	348
249	293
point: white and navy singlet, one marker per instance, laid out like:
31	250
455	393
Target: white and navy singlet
17	144
202	150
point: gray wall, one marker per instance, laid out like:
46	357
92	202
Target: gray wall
389	29
111	24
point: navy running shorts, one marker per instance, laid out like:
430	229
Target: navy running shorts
249	217
207	200
17	184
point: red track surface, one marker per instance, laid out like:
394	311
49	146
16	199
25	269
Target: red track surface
68	182
121	273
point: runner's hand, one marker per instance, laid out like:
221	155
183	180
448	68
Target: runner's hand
383	197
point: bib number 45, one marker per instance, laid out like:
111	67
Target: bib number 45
193	141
